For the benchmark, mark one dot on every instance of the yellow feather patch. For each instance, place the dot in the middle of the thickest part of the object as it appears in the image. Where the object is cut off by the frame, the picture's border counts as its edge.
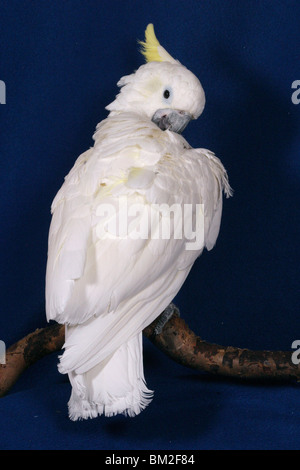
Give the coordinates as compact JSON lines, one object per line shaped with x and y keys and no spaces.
{"x":150,"y":47}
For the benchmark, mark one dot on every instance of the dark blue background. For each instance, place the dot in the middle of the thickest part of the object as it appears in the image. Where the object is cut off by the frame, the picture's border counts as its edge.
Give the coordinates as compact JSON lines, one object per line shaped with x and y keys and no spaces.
{"x":60,"y":61}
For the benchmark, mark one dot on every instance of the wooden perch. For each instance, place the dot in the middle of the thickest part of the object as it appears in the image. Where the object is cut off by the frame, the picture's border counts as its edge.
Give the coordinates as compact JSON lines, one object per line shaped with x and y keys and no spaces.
{"x":176,"y":340}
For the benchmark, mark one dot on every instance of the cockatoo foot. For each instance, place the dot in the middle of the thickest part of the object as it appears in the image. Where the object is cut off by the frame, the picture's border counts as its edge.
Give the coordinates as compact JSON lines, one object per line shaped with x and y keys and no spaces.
{"x":165,"y":317}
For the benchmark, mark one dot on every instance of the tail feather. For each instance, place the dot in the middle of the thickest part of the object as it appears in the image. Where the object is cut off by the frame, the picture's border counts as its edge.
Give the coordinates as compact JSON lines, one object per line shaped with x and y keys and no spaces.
{"x":114,"y":386}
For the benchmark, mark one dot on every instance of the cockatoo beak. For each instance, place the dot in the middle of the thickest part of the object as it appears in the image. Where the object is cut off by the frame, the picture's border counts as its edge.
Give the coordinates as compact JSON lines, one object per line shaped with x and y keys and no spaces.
{"x":171,"y":119}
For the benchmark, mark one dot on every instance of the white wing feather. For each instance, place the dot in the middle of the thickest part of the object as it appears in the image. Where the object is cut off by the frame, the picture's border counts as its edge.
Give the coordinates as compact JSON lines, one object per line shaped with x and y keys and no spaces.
{"x":90,"y":275}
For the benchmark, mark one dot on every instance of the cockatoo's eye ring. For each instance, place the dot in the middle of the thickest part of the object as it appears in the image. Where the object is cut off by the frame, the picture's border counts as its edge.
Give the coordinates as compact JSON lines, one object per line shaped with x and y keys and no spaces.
{"x":166,"y":94}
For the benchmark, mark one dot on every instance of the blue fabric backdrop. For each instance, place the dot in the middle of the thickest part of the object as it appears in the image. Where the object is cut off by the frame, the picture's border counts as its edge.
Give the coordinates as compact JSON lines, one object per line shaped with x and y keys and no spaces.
{"x":60,"y":61}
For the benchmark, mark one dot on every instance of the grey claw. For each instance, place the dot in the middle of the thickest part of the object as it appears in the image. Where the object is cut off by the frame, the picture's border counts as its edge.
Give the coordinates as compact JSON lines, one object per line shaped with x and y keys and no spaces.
{"x":165,"y":317}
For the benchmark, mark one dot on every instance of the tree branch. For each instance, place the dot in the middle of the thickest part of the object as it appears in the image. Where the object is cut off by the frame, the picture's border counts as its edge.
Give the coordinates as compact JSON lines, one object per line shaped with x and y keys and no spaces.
{"x":176,"y":340}
{"x":182,"y":345}
{"x":27,"y":351}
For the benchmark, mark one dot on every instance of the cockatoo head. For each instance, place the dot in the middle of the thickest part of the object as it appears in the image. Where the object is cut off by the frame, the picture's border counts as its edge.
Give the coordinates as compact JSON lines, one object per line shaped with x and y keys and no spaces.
{"x":162,"y":89}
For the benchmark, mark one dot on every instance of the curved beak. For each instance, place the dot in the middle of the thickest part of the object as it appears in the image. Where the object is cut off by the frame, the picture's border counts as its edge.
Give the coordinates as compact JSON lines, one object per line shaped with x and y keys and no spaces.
{"x":171,"y":119}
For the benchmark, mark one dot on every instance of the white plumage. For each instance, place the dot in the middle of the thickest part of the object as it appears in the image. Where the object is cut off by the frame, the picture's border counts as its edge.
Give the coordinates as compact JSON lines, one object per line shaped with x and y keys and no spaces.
{"x":104,"y":283}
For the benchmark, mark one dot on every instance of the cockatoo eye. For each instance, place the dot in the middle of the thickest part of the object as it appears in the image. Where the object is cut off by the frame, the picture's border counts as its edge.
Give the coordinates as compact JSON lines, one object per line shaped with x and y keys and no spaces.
{"x":167,"y":95}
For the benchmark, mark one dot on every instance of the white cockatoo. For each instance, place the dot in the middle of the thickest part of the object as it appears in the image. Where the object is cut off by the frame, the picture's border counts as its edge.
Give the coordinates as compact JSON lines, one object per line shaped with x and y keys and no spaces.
{"x":119,"y":246}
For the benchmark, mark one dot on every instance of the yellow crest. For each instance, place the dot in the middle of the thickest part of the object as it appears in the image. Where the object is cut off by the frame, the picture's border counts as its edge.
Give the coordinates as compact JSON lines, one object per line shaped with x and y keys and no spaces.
{"x":151,"y":48}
